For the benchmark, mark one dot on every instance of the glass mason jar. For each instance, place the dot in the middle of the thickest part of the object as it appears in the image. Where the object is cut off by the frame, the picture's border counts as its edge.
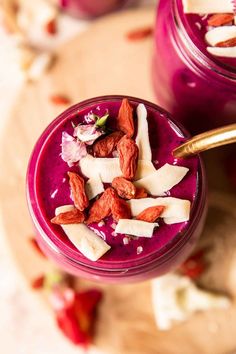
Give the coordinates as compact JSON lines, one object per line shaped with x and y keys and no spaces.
{"x":160,"y":260}
{"x":90,"y":8}
{"x":198,"y":89}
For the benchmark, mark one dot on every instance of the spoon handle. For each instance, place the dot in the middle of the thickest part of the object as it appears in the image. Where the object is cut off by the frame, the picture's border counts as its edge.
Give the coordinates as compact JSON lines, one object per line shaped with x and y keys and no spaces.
{"x":206,"y":141}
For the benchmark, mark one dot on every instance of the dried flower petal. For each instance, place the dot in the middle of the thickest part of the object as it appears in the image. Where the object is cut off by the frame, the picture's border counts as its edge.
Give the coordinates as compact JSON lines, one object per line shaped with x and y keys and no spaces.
{"x":72,"y":149}
{"x":194,"y":266}
{"x":76,"y":313}
{"x":87,"y":133}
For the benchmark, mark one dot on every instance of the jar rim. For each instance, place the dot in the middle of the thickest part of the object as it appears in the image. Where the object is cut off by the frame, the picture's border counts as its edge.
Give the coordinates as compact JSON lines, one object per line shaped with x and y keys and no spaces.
{"x":73,"y":256}
{"x":205,"y":60}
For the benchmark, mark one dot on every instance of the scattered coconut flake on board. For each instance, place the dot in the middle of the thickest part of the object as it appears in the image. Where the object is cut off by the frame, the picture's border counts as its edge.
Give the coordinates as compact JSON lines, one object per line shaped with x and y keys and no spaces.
{"x":176,"y":209}
{"x":208,"y":6}
{"x":85,"y":240}
{"x":72,"y":150}
{"x":142,"y":138}
{"x":175,"y":298}
{"x":135,"y":227}
{"x":220,"y":34}
{"x":94,"y":186}
{"x":162,"y":179}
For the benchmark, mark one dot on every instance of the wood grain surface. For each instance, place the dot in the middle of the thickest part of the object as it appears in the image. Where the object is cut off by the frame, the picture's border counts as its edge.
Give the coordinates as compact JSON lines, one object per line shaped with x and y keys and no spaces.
{"x":97,"y":62}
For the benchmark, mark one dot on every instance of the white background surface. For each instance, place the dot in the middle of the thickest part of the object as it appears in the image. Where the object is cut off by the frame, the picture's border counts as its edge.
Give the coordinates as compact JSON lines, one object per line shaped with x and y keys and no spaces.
{"x":26,"y":325}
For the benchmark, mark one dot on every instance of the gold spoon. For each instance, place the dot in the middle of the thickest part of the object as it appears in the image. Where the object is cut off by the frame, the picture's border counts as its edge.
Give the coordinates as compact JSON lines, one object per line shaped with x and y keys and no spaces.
{"x":206,"y":141}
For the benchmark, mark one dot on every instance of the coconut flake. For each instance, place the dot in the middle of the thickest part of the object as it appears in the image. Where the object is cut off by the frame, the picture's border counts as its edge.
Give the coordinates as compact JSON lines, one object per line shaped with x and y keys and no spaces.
{"x":109,"y":168}
{"x":176,"y":210}
{"x":93,"y":187}
{"x":220,"y":34}
{"x":229,"y":52}
{"x":72,"y":150}
{"x":101,"y":223}
{"x":145,"y":168}
{"x":142,"y":139}
{"x":126,"y":240}
{"x":139,"y":249}
{"x":135,"y":227}
{"x":85,"y":240}
{"x":162,"y":179}
{"x":208,"y":6}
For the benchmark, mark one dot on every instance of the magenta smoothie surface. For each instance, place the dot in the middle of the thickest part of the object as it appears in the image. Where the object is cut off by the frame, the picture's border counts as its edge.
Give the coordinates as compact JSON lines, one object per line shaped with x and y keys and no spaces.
{"x":48,"y":188}
{"x":90,"y":8}
{"x":198,"y":88}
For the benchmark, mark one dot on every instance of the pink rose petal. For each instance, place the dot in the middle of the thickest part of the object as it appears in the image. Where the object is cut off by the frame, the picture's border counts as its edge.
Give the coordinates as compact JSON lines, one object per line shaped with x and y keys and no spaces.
{"x":72,"y":150}
{"x":87,"y":133}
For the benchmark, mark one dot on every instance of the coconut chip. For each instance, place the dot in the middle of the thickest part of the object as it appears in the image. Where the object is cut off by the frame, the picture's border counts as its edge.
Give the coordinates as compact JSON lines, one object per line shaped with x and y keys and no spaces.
{"x":135,"y":227}
{"x":85,"y":240}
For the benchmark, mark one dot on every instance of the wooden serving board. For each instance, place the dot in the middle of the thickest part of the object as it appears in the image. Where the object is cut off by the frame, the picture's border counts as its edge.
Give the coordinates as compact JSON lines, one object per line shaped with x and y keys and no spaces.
{"x":102,"y":61}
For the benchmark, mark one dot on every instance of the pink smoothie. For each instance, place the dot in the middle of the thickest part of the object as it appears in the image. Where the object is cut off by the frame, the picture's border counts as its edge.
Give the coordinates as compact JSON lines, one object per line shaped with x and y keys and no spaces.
{"x":90,"y":8}
{"x":48,"y":188}
{"x":198,"y":88}
{"x":197,"y":26}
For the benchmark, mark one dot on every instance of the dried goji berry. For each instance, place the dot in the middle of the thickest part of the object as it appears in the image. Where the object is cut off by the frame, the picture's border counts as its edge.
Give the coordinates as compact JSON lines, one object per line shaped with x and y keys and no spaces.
{"x":220,"y":19}
{"x":124,"y":188}
{"x":120,"y":209}
{"x":151,"y":214}
{"x":78,"y":191}
{"x":74,"y":216}
{"x":128,"y":154}
{"x":228,"y":43}
{"x":125,"y":121}
{"x":101,"y":208}
{"x":140,"y":193}
{"x":139,"y":33}
{"x":38,"y":282}
{"x":51,"y":27}
{"x":59,"y":99}
{"x":104,"y":147}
